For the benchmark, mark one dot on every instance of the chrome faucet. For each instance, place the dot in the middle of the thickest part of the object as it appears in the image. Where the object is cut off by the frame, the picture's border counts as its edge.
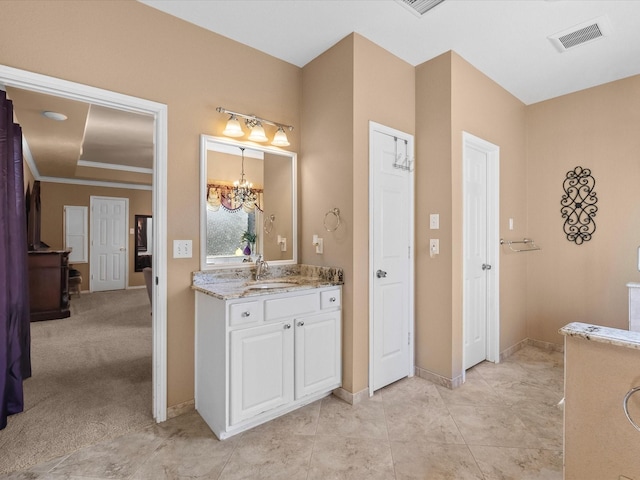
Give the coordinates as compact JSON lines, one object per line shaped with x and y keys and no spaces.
{"x":261,"y":267}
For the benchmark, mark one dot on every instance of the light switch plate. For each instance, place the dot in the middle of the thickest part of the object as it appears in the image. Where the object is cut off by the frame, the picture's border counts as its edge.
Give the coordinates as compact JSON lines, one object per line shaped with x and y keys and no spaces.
{"x":434,"y":221}
{"x":434,"y":247}
{"x":182,"y":249}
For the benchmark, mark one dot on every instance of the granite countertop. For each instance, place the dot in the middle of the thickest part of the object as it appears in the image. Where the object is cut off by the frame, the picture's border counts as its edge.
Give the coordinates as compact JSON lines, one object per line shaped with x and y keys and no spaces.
{"x":236,"y":283}
{"x":597,"y":333}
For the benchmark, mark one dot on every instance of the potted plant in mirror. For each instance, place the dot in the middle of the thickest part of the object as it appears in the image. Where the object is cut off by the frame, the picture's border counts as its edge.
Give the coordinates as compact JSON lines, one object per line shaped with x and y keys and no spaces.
{"x":250,"y":238}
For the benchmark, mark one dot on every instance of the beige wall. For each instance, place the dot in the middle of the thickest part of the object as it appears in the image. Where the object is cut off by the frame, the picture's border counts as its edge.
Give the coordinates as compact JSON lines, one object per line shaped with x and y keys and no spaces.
{"x":597,"y":129}
{"x":599,"y":441}
{"x":343,"y":89}
{"x":451,"y":97}
{"x":326,"y":174}
{"x":133,"y":49}
{"x":130,"y":48}
{"x":433,"y":195}
{"x":277,"y":202}
{"x":54,"y":196}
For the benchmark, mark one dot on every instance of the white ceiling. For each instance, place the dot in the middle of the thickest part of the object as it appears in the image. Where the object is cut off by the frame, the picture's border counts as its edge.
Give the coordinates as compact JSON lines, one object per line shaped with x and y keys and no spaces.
{"x":505,"y":39}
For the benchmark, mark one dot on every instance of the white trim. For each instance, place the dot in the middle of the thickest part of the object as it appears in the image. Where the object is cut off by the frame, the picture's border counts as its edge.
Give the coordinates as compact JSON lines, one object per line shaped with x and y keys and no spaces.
{"x":94,"y":183}
{"x":76,"y":91}
{"x":70,"y":211}
{"x":26,"y":151}
{"x":113,"y":166}
{"x":376,"y":127}
{"x":493,"y":242}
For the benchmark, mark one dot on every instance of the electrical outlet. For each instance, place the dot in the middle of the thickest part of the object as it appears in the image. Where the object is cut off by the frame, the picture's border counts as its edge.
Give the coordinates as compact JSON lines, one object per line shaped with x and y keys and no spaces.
{"x":182,"y":249}
{"x":434,"y":221}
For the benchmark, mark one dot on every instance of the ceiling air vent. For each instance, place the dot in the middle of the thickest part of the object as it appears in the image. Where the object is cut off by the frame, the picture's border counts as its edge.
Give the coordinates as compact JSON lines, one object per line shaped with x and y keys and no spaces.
{"x":586,"y":32}
{"x":419,"y":7}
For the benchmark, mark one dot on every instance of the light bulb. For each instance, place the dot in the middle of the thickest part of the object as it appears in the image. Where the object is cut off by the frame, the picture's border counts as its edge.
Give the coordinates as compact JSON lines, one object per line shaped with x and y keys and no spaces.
{"x":280,"y":138}
{"x":233,"y":128}
{"x":257,"y":134}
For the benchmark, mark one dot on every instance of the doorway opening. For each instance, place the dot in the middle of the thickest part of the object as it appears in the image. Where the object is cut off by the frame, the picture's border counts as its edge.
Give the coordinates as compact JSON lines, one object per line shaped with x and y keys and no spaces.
{"x":25,"y":80}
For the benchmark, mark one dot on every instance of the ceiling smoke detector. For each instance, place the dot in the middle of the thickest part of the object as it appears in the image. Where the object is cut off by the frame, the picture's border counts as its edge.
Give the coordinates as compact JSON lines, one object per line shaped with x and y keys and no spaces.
{"x":581,"y":34}
{"x":419,"y":7}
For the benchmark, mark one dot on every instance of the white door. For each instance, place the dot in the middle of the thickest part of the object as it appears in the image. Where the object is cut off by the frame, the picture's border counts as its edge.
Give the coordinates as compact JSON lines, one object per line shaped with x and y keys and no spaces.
{"x":317,"y":352}
{"x":391,"y":157}
{"x":108,"y":243}
{"x":261,"y":369}
{"x":479,"y":269}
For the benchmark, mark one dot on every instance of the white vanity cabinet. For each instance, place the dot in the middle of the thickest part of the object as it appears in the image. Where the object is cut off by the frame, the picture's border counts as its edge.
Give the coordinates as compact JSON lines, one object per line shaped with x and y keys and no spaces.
{"x":262,"y":356}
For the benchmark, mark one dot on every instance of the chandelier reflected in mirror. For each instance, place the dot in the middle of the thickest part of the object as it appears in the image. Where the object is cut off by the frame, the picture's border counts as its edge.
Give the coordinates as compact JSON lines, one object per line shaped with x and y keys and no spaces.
{"x":242,"y":189}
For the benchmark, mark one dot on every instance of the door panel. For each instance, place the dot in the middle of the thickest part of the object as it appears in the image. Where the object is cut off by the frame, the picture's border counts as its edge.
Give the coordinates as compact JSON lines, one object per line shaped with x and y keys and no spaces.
{"x":108,"y":245}
{"x":475,"y":241}
{"x":261,"y":370}
{"x":317,"y":351}
{"x":391,"y":257}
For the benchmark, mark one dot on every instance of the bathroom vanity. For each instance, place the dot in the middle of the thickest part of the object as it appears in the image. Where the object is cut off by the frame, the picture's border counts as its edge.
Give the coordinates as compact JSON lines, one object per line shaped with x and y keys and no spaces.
{"x":264,"y":348}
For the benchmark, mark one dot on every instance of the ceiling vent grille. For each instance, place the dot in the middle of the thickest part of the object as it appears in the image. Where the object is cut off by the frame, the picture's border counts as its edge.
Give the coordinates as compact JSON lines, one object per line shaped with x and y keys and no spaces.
{"x":582,"y":34}
{"x":419,"y":7}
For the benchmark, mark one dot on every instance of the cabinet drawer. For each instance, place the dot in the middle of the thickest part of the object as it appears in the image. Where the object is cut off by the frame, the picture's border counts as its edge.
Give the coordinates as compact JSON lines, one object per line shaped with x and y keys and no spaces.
{"x":291,"y":306}
{"x":330,"y":299}
{"x":244,"y":313}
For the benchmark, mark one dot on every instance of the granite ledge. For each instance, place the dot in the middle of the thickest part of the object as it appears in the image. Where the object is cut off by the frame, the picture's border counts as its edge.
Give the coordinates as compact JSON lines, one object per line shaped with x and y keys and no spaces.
{"x":236,"y":283}
{"x":597,"y":333}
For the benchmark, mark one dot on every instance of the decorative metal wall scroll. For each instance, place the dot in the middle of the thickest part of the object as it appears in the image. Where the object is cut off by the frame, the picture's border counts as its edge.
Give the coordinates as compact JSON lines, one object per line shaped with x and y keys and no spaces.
{"x":579,"y":205}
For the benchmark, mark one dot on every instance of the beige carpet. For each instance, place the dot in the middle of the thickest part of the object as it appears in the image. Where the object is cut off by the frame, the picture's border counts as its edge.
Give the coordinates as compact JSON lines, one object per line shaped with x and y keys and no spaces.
{"x":91,"y":379}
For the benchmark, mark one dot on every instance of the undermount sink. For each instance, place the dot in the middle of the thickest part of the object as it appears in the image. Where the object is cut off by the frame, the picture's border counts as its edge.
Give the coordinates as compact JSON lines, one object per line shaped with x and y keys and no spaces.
{"x":267,"y":285}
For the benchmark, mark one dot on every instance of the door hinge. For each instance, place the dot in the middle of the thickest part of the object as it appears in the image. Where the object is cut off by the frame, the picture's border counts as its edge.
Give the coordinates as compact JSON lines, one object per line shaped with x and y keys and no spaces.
{"x":409,"y":248}
{"x":409,"y":338}
{"x":156,"y":280}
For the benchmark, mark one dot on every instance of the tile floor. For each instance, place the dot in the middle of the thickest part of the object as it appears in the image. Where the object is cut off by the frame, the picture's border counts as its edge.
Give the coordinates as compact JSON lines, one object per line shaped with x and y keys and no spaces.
{"x":503,"y":423}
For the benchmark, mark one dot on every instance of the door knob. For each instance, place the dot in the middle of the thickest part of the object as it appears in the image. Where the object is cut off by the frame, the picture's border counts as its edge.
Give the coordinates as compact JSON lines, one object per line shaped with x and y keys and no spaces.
{"x":122,"y":249}
{"x":486,"y":266}
{"x":381,"y":274}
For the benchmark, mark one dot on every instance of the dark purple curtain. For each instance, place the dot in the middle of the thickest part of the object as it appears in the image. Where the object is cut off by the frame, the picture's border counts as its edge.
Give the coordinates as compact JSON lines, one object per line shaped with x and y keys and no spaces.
{"x":15,"y":363}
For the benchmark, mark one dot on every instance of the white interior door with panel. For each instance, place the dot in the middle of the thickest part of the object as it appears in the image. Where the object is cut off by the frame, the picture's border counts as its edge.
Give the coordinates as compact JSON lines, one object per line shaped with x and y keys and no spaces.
{"x":391,"y":256}
{"x":109,"y":240}
{"x":480,"y":245}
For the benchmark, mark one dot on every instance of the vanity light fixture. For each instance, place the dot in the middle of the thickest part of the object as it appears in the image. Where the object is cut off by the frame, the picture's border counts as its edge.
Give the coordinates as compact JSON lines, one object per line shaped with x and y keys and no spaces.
{"x":257,"y":133}
{"x":242,"y":191}
{"x":280,"y":138}
{"x":256,"y":124}
{"x":233,"y":128}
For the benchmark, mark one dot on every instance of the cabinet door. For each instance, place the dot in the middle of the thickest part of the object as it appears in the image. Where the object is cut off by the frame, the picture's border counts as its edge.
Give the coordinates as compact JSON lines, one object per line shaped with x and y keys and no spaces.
{"x":261,"y":370}
{"x":318,"y":353}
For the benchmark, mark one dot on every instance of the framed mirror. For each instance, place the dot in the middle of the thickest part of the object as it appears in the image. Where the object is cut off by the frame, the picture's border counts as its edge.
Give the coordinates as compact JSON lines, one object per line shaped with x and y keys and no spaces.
{"x":247,"y":204}
{"x":144,"y":242}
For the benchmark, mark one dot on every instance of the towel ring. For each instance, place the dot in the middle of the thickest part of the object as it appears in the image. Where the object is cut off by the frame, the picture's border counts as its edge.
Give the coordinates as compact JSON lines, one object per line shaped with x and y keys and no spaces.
{"x":626,"y":406}
{"x":268,"y":224}
{"x":336,"y":213}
